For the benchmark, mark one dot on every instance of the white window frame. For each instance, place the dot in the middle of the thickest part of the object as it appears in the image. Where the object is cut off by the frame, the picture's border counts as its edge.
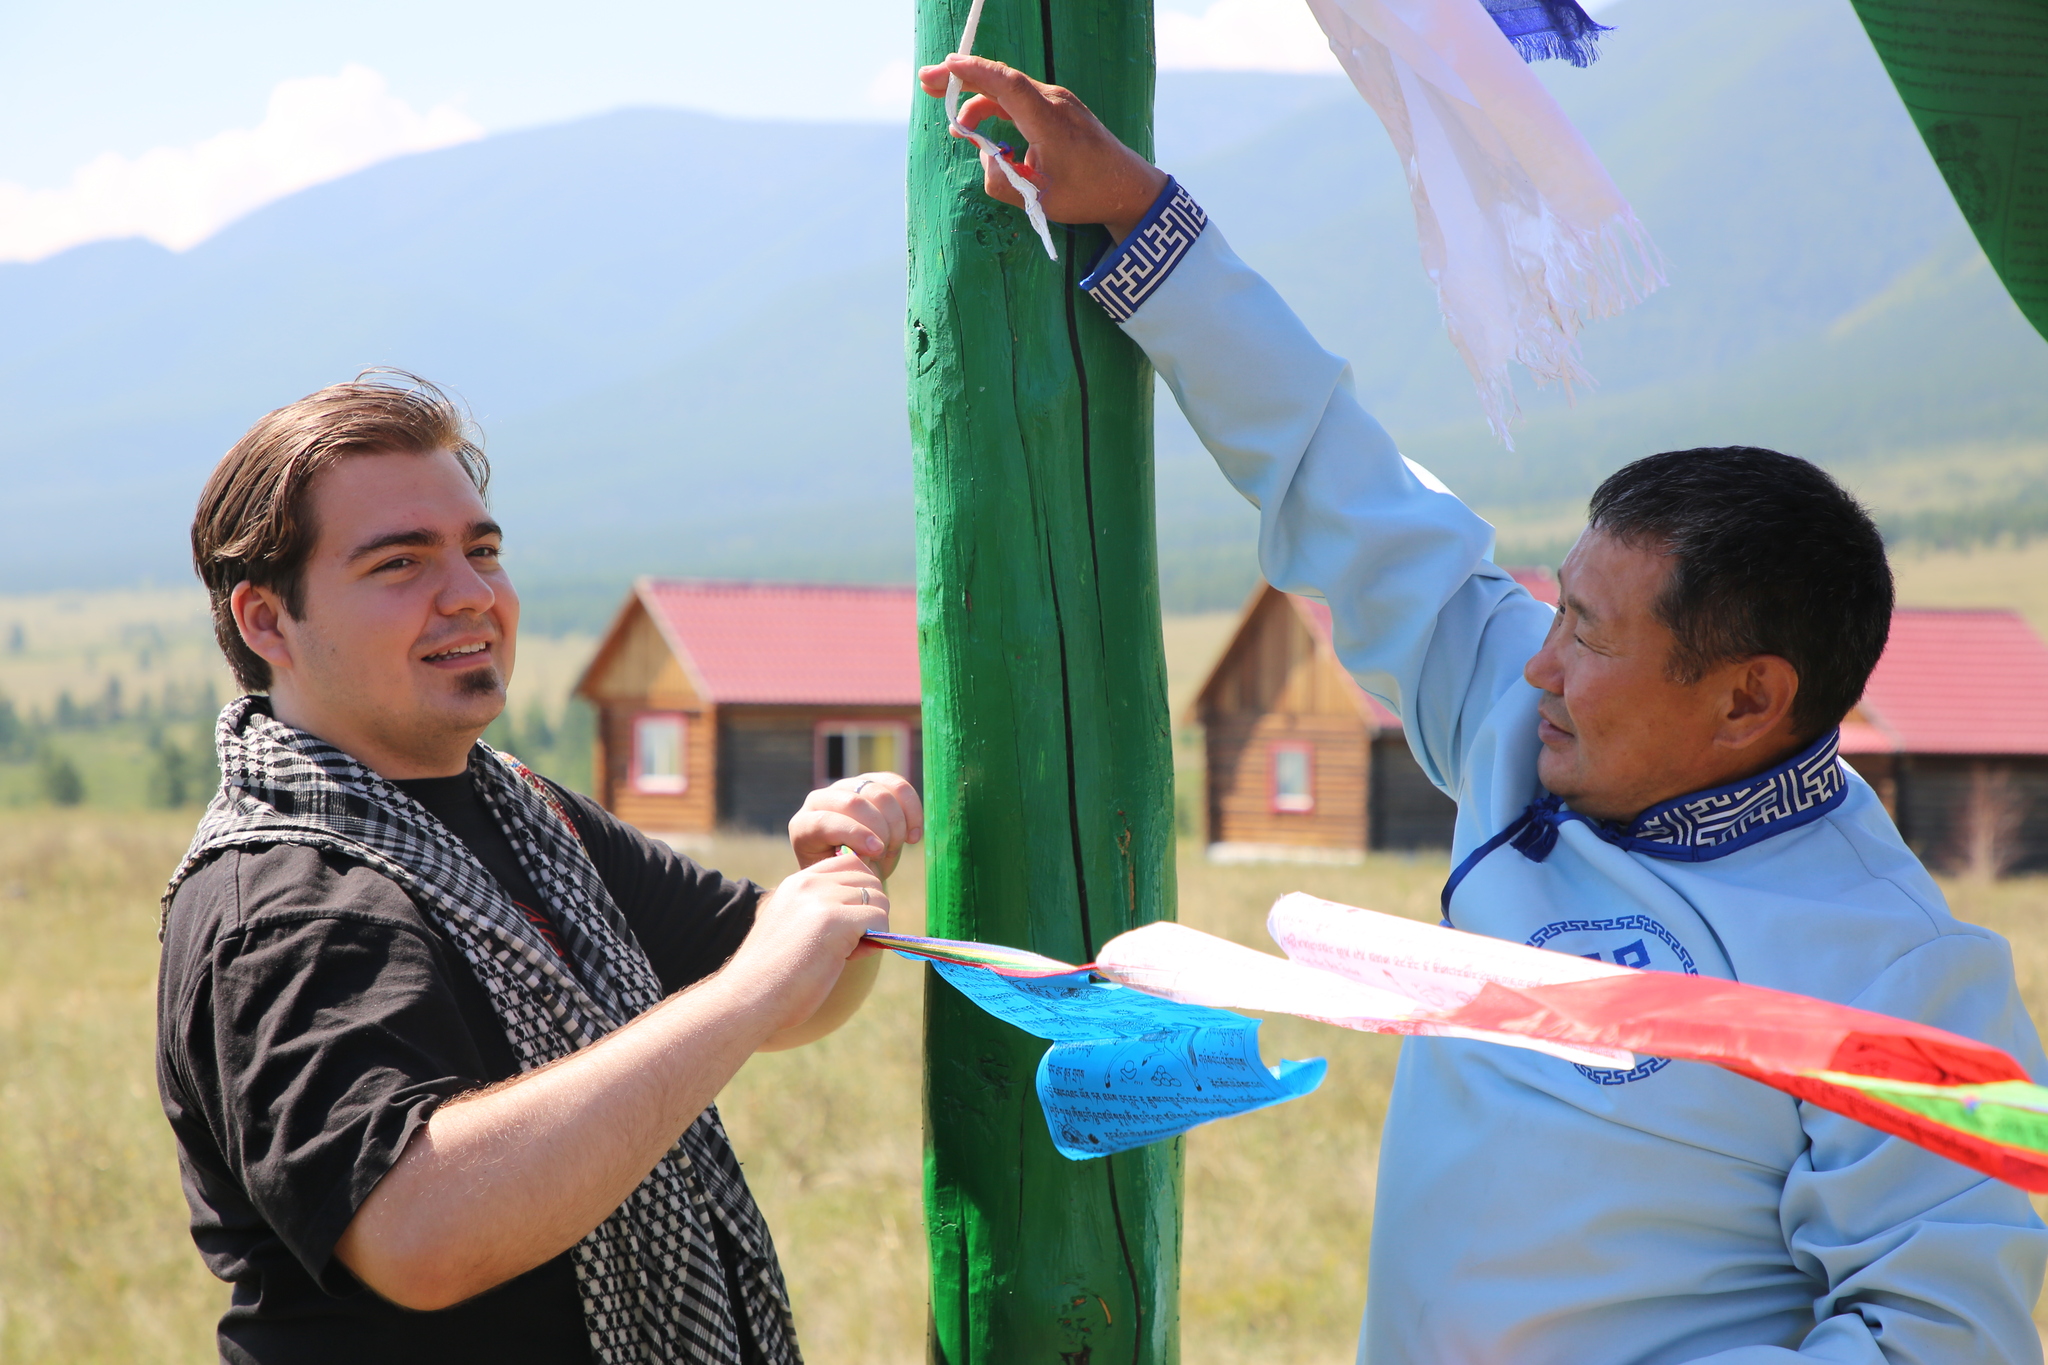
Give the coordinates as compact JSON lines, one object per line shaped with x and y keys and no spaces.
{"x":854,"y":726}
{"x":661,"y":784}
{"x":1305,"y":803}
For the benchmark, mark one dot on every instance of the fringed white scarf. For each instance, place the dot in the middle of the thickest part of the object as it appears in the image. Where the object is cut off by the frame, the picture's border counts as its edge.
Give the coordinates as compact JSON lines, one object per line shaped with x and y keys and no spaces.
{"x":1523,"y":233}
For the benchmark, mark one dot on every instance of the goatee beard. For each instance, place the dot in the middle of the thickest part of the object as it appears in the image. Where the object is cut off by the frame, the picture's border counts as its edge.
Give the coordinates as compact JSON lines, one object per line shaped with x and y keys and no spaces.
{"x":480,"y":682}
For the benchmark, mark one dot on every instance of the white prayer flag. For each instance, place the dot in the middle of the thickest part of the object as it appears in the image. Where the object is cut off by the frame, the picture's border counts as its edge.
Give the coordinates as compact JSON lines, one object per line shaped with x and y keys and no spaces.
{"x":1523,"y":233}
{"x":1357,"y":969}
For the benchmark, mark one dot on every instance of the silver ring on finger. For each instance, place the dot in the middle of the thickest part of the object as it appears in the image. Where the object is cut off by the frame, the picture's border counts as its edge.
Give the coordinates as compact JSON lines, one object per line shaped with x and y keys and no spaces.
{"x":863,"y":785}
{"x":863,"y":895}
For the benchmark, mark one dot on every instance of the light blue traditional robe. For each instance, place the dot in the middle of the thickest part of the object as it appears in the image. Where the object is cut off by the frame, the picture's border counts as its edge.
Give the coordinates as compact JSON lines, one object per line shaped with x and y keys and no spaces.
{"x":1531,"y":1212}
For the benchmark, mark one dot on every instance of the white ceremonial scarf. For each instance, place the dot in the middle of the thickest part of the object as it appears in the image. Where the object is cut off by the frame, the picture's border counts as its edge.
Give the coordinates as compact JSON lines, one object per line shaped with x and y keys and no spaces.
{"x":997,"y":154}
{"x":1523,"y":233}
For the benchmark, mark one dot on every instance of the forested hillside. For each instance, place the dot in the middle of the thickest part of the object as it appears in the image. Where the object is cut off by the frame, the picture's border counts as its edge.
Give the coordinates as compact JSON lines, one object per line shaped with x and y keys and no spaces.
{"x":683,"y":334}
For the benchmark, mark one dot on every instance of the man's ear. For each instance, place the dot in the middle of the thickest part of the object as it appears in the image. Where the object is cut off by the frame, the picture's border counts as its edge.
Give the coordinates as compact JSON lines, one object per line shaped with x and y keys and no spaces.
{"x":1760,"y":693}
{"x":259,"y":615}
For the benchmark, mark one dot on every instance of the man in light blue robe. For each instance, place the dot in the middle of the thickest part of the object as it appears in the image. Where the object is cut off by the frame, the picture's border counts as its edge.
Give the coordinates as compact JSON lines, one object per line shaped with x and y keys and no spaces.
{"x":1647,"y":776}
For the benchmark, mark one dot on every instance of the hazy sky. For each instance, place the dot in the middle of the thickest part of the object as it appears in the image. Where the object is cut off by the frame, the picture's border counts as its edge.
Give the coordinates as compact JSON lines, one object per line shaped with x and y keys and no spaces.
{"x":168,"y":120}
{"x":124,"y":117}
{"x":91,"y":76}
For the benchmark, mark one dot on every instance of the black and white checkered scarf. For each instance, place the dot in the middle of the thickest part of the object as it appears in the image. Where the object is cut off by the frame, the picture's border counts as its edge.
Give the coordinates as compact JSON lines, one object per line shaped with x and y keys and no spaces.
{"x":651,"y":1278}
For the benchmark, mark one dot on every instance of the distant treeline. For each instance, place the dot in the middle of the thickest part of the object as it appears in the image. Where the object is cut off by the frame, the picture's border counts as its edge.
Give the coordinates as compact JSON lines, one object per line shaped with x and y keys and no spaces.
{"x":153,"y":751}
{"x":156,"y":750}
{"x":2020,"y":519}
{"x":562,"y":751}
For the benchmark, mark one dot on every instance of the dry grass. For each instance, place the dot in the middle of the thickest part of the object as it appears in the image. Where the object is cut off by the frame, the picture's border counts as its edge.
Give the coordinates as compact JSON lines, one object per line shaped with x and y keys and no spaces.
{"x":1274,"y":1260}
{"x":95,"y":1264}
{"x":77,"y":641}
{"x":2001,"y":575}
{"x":1279,"y":1203}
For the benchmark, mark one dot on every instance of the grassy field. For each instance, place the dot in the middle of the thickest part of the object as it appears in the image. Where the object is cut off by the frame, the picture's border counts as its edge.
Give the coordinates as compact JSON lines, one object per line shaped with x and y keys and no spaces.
{"x":96,"y":1266}
{"x":2001,"y":575}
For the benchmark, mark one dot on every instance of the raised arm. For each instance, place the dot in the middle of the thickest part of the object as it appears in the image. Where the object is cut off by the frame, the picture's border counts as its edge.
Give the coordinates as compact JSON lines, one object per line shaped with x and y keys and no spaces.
{"x":1420,"y":615}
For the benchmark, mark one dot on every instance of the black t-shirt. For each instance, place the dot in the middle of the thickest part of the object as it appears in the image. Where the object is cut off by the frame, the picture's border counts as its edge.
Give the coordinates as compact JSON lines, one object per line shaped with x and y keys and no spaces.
{"x":311,"y":1018}
{"x":454,"y":802}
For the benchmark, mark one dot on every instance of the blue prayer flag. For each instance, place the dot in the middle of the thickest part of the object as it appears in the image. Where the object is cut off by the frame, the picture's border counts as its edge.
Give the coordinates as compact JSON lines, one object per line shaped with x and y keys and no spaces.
{"x":1125,"y":1068}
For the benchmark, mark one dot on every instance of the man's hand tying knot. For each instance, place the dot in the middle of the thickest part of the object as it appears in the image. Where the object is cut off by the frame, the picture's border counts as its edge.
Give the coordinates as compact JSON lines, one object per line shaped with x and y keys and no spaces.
{"x":874,"y":814}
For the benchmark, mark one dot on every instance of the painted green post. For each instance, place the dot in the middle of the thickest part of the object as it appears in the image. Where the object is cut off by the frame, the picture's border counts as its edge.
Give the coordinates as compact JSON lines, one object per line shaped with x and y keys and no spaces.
{"x":1048,"y":761}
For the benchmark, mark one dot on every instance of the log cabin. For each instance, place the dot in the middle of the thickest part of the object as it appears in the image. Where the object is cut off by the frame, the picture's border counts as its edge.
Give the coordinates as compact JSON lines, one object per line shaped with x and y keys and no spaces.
{"x":722,"y":704}
{"x":1952,"y":731}
{"x":1301,"y":764}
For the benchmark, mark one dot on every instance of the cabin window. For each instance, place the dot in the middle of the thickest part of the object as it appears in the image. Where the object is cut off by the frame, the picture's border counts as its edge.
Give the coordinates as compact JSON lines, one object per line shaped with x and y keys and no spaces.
{"x":658,"y":740}
{"x":847,"y":747}
{"x":1294,"y":788}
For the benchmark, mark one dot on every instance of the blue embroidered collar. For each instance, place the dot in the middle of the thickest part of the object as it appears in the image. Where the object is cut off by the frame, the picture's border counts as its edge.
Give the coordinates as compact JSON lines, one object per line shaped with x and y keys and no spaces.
{"x":1694,"y":828}
{"x":1712,"y":823}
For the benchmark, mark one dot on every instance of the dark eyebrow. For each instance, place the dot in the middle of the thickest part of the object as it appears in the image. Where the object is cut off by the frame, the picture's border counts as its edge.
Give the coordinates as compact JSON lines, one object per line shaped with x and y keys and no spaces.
{"x":420,"y":538}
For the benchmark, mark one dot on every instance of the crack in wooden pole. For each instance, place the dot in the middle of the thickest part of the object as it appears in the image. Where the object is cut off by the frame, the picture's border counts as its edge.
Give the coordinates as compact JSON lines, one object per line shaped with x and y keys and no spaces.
{"x":1048,"y":757}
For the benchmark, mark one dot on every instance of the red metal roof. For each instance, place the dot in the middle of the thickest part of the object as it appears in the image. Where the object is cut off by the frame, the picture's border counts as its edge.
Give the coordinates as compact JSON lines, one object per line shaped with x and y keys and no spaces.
{"x":800,"y":644}
{"x":1954,"y":682}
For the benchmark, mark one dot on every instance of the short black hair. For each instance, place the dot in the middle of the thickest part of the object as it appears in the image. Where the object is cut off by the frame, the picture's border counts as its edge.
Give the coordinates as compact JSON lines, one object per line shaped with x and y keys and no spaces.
{"x":1771,"y":556}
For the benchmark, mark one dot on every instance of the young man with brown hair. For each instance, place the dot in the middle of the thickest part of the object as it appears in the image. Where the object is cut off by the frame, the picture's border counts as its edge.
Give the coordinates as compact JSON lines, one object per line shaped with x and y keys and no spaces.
{"x":439,"y":1039}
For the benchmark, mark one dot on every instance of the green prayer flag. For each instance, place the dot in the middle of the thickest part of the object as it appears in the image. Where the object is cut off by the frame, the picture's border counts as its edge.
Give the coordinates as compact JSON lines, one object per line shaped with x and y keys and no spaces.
{"x":1974,"y":76}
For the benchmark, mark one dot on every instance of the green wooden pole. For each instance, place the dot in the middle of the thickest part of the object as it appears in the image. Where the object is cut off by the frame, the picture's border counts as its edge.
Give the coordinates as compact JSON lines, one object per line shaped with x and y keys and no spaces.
{"x":1048,"y":755}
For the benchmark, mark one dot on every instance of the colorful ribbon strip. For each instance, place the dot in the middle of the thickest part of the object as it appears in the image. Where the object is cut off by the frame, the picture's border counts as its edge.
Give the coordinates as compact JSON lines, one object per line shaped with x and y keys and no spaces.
{"x":1008,"y":962}
{"x":1143,"y":1048}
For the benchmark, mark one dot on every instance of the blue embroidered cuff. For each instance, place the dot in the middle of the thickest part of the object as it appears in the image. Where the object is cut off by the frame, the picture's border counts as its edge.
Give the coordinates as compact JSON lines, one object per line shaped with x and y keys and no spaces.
{"x":1129,"y":271}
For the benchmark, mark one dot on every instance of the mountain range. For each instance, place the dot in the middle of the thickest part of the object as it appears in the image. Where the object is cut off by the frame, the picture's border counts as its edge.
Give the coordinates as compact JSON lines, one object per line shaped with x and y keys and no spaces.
{"x":683,"y":334}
